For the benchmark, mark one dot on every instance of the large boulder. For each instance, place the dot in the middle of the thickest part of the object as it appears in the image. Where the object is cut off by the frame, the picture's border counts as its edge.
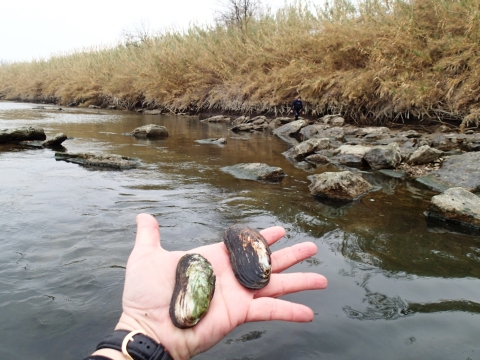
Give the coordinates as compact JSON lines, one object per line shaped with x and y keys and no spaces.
{"x":383,"y":157}
{"x":322,"y":131}
{"x":290,"y":128}
{"x":424,"y":155}
{"x":306,"y":148}
{"x":456,"y":171}
{"x":98,"y":160}
{"x":457,"y":206}
{"x":24,"y":133}
{"x":150,"y":131}
{"x":344,"y":185}
{"x":255,"y":171}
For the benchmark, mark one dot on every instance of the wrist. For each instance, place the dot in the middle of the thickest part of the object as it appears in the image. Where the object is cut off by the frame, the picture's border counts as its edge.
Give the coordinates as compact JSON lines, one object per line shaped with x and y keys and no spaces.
{"x":177,"y":351}
{"x":110,"y":353}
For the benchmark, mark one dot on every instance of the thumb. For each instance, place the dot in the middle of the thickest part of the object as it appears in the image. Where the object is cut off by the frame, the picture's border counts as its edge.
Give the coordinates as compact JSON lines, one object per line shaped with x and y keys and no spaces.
{"x":148,"y":232}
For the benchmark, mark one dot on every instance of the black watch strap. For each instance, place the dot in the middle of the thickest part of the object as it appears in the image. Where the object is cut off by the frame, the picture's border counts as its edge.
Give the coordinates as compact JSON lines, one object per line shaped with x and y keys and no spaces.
{"x":142,"y":347}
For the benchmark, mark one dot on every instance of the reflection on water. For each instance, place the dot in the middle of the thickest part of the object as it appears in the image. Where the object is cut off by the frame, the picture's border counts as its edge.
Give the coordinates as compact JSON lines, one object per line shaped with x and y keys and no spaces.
{"x":67,"y":232}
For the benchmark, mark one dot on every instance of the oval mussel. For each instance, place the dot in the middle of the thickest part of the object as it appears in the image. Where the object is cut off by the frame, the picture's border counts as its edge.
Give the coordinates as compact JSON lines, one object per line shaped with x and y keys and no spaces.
{"x":193,"y":292}
{"x":249,"y":256}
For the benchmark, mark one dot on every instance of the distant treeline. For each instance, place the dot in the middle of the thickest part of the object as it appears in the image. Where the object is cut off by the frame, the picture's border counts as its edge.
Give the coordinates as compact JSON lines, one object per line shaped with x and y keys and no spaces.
{"x":373,"y":61}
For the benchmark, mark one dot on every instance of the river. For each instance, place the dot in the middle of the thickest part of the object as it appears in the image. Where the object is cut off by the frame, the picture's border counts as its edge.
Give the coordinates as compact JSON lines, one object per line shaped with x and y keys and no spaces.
{"x":398,"y":289}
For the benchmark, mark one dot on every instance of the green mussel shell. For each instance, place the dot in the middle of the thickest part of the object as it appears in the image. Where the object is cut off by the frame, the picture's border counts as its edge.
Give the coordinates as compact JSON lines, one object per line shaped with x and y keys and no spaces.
{"x":193,"y":292}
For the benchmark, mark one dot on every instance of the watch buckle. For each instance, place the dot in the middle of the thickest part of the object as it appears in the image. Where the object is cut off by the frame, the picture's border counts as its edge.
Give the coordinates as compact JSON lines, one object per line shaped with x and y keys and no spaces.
{"x":129,"y":337}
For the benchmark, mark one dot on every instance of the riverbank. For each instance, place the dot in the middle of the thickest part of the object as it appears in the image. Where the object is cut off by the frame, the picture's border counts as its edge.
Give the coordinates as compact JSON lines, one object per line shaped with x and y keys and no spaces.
{"x":373,"y":63}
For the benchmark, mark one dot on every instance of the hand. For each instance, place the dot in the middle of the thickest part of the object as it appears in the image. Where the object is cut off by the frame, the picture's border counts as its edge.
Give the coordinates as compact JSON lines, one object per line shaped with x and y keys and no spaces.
{"x":150,"y":279}
{"x":291,"y":111}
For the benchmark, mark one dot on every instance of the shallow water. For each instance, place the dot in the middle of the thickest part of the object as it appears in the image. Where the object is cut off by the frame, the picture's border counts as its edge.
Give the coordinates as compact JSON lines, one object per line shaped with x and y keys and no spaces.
{"x":398,"y":289}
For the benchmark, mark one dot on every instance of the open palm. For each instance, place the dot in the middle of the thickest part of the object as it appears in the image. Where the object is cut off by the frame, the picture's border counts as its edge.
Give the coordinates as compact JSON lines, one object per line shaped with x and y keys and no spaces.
{"x":150,"y":279}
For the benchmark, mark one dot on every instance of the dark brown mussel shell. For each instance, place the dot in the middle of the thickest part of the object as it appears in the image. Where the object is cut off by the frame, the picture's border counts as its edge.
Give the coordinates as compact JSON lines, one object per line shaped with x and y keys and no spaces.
{"x":193,"y":292}
{"x":249,"y":256}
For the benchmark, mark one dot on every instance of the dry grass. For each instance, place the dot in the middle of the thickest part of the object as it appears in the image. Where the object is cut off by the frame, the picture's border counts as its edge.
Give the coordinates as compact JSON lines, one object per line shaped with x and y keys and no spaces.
{"x":377,"y":61}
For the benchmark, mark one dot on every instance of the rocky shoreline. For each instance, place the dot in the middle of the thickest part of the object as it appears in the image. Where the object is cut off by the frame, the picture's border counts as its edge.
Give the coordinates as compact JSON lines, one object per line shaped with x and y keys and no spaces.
{"x":441,"y":158}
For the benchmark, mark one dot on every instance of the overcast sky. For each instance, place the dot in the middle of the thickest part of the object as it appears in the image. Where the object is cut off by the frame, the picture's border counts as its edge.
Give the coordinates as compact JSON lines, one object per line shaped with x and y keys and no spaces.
{"x":32,"y":29}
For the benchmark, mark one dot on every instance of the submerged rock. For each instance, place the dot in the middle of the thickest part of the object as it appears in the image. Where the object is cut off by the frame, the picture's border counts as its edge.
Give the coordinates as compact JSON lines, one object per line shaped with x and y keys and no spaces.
{"x":215,"y":141}
{"x":255,"y":171}
{"x":150,"y":131}
{"x":344,"y":185}
{"x":24,"y":133}
{"x":98,"y":160}
{"x":152,"y":112}
{"x":456,"y":171}
{"x":217,"y":119}
{"x":456,"y":205}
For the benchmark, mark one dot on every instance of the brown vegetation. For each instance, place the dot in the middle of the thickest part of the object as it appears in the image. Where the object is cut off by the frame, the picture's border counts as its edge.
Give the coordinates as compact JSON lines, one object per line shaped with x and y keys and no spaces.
{"x":377,"y":61}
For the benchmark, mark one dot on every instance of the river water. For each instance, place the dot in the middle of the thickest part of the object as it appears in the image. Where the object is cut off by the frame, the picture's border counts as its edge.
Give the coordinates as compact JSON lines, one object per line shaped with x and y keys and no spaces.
{"x":398,"y":289}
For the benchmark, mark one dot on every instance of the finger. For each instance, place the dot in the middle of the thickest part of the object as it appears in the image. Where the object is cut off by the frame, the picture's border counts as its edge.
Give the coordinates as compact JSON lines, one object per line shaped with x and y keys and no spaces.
{"x":284,"y":258}
{"x":282,"y":284}
{"x":266,"y":309}
{"x":273,"y":234}
{"x":148,"y":233}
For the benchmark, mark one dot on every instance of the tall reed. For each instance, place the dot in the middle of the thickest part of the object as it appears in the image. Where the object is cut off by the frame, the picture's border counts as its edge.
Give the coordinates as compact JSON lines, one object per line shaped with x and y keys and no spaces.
{"x":373,"y":61}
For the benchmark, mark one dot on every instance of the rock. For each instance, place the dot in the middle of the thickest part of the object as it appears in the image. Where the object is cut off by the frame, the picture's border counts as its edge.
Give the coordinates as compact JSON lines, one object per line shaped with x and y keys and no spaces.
{"x":359,"y":150}
{"x":456,"y":205}
{"x":284,"y":120}
{"x":344,"y":185}
{"x":306,"y":148}
{"x":456,"y":171}
{"x":255,"y":171}
{"x":317,"y":159}
{"x":349,"y":160}
{"x":111,"y":107}
{"x":24,"y":133}
{"x":241,"y":120}
{"x":376,"y":136}
{"x":152,"y":112}
{"x":215,"y":141}
{"x":98,"y":160}
{"x":217,"y":119}
{"x":335,"y":120}
{"x":443,"y":129}
{"x":55,"y":140}
{"x":150,"y":131}
{"x":322,"y":131}
{"x":383,"y":157}
{"x":446,"y":142}
{"x":471,"y":143}
{"x":411,"y":134}
{"x":290,"y":128}
{"x":371,"y":130}
{"x":424,"y":155}
{"x":94,"y":107}
{"x":258,"y":123}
